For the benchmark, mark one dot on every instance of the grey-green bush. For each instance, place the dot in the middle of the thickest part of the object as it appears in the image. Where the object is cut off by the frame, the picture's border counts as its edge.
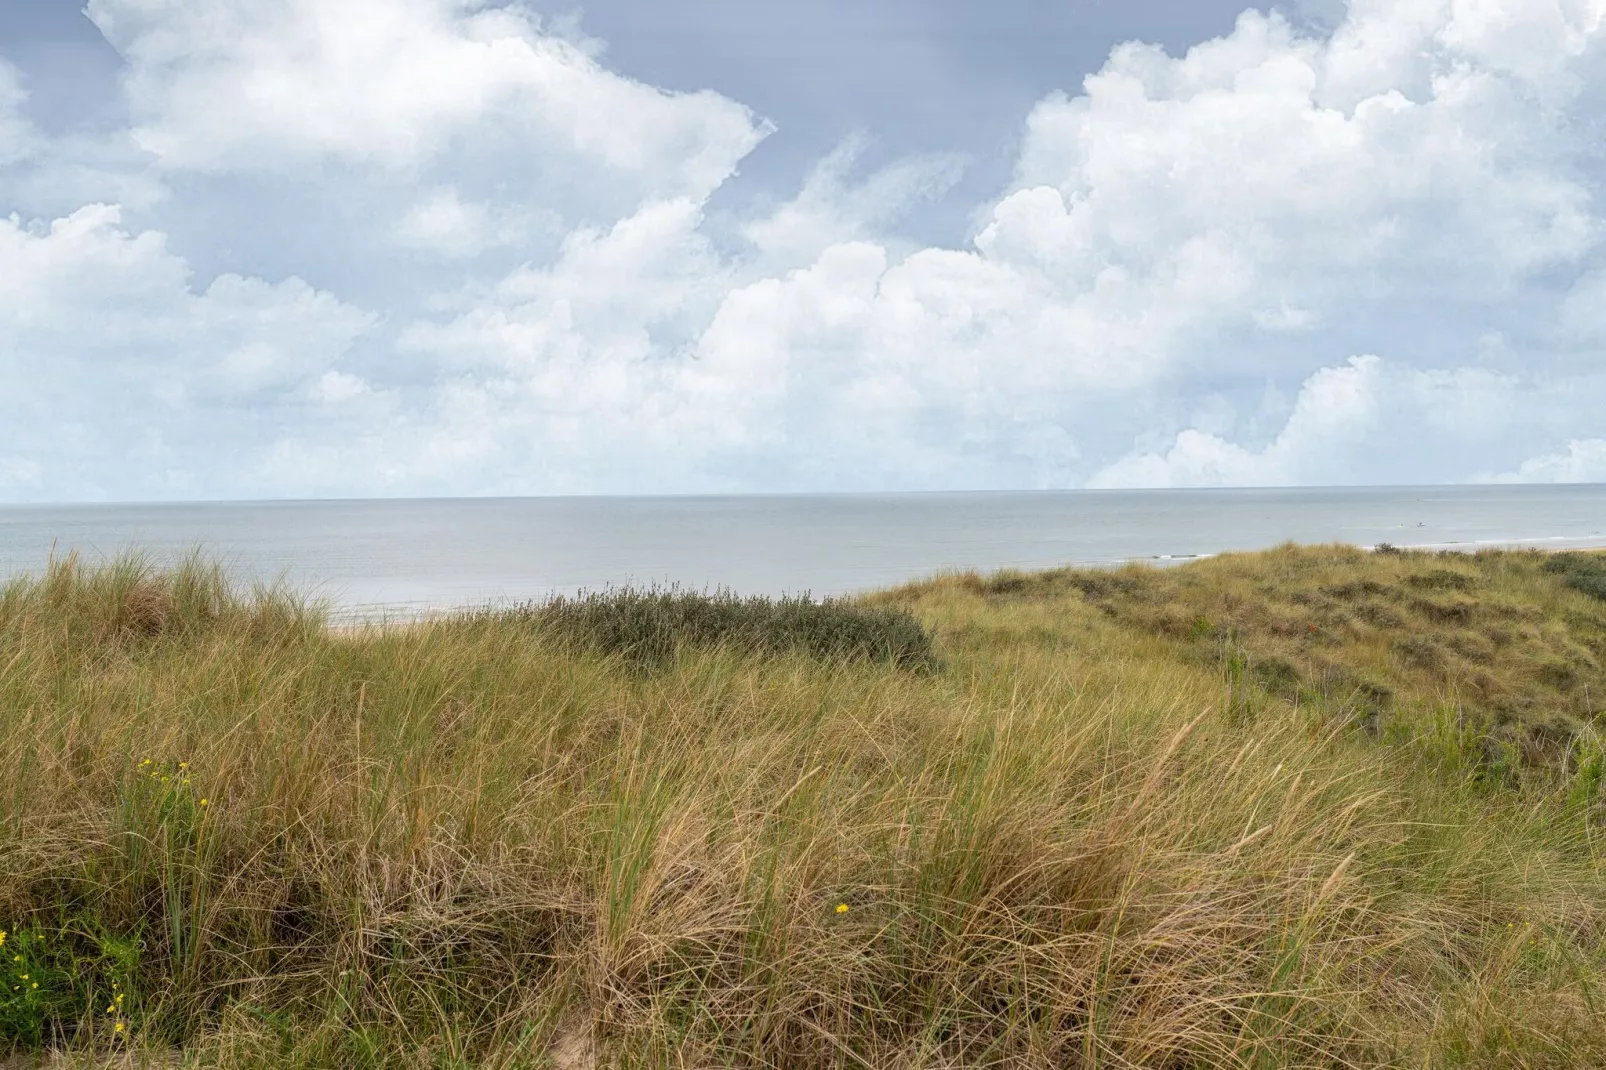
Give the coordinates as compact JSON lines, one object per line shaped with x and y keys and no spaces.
{"x":1585,"y":573}
{"x":647,"y":627}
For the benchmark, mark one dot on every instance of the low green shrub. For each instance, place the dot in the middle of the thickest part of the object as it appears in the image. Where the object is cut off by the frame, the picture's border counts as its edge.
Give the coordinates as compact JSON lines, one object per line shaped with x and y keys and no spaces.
{"x":1583,"y":572}
{"x":36,"y":993}
{"x":647,"y":627}
{"x":57,"y":980}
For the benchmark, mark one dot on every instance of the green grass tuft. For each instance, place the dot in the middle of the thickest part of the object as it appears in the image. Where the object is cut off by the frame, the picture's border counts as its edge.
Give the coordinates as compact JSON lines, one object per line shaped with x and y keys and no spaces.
{"x":650,"y":627}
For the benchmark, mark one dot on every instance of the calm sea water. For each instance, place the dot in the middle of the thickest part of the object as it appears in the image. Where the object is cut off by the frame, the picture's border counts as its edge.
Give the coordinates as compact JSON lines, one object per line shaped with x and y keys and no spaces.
{"x":396,"y":558}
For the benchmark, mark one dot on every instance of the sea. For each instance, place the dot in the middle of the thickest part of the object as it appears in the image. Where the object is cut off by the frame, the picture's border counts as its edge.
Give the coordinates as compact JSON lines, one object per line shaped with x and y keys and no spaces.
{"x":399,"y":559}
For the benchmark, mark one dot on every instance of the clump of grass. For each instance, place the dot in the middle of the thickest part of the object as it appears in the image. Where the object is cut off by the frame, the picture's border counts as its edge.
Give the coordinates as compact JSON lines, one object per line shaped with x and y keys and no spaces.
{"x":649,"y":627}
{"x":129,"y":602}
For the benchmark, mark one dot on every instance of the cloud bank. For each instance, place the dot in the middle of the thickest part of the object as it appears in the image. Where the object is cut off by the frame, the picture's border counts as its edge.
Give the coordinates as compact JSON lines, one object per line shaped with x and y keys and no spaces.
{"x":434,"y":246}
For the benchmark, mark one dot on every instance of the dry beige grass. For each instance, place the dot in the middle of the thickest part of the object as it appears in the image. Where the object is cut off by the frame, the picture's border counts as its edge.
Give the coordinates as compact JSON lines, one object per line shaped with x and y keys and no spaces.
{"x":1088,"y":841}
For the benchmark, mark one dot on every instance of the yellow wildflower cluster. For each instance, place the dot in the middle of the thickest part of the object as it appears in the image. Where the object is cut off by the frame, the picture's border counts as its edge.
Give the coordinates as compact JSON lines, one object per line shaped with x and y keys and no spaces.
{"x":24,"y":981}
{"x":23,"y":1003}
{"x":154,"y":772}
{"x":37,"y":989}
{"x":115,"y":1009}
{"x":178,"y":777}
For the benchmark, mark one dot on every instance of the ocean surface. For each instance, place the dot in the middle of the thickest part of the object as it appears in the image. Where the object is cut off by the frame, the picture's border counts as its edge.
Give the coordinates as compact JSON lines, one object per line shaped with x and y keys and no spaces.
{"x":399,"y":558}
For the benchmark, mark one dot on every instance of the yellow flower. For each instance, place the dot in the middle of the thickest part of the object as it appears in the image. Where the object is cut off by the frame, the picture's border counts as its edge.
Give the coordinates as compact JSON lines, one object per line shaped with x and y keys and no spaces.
{"x":119,"y":1027}
{"x":183,"y":765}
{"x":203,"y":802}
{"x":109,"y":1010}
{"x":146,"y":762}
{"x":36,"y":984}
{"x":841,"y":908}
{"x":2,"y":936}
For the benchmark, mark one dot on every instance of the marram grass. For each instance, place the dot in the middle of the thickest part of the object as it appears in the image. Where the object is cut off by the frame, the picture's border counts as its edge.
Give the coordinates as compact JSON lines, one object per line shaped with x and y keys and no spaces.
{"x":1096,"y":831}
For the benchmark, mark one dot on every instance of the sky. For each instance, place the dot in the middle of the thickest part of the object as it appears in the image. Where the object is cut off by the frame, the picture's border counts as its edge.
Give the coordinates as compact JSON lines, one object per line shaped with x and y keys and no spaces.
{"x":286,"y":248}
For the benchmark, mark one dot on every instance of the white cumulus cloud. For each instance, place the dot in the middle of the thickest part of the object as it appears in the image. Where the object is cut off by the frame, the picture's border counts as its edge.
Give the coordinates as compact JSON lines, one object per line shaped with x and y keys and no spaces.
{"x":832,"y":207}
{"x":247,"y":85}
{"x":1583,"y":461}
{"x":126,"y":380}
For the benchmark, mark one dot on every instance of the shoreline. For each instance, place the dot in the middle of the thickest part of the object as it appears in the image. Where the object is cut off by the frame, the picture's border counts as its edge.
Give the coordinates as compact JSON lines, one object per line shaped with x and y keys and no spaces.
{"x":351,"y":620}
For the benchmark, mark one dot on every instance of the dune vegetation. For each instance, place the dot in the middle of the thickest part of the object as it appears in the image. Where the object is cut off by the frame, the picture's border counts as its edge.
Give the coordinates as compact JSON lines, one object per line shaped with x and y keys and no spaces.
{"x":1310,"y":807}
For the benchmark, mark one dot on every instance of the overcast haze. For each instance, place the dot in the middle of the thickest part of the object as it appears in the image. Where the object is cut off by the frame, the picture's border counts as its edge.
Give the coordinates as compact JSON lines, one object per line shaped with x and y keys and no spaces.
{"x":264,"y":248}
